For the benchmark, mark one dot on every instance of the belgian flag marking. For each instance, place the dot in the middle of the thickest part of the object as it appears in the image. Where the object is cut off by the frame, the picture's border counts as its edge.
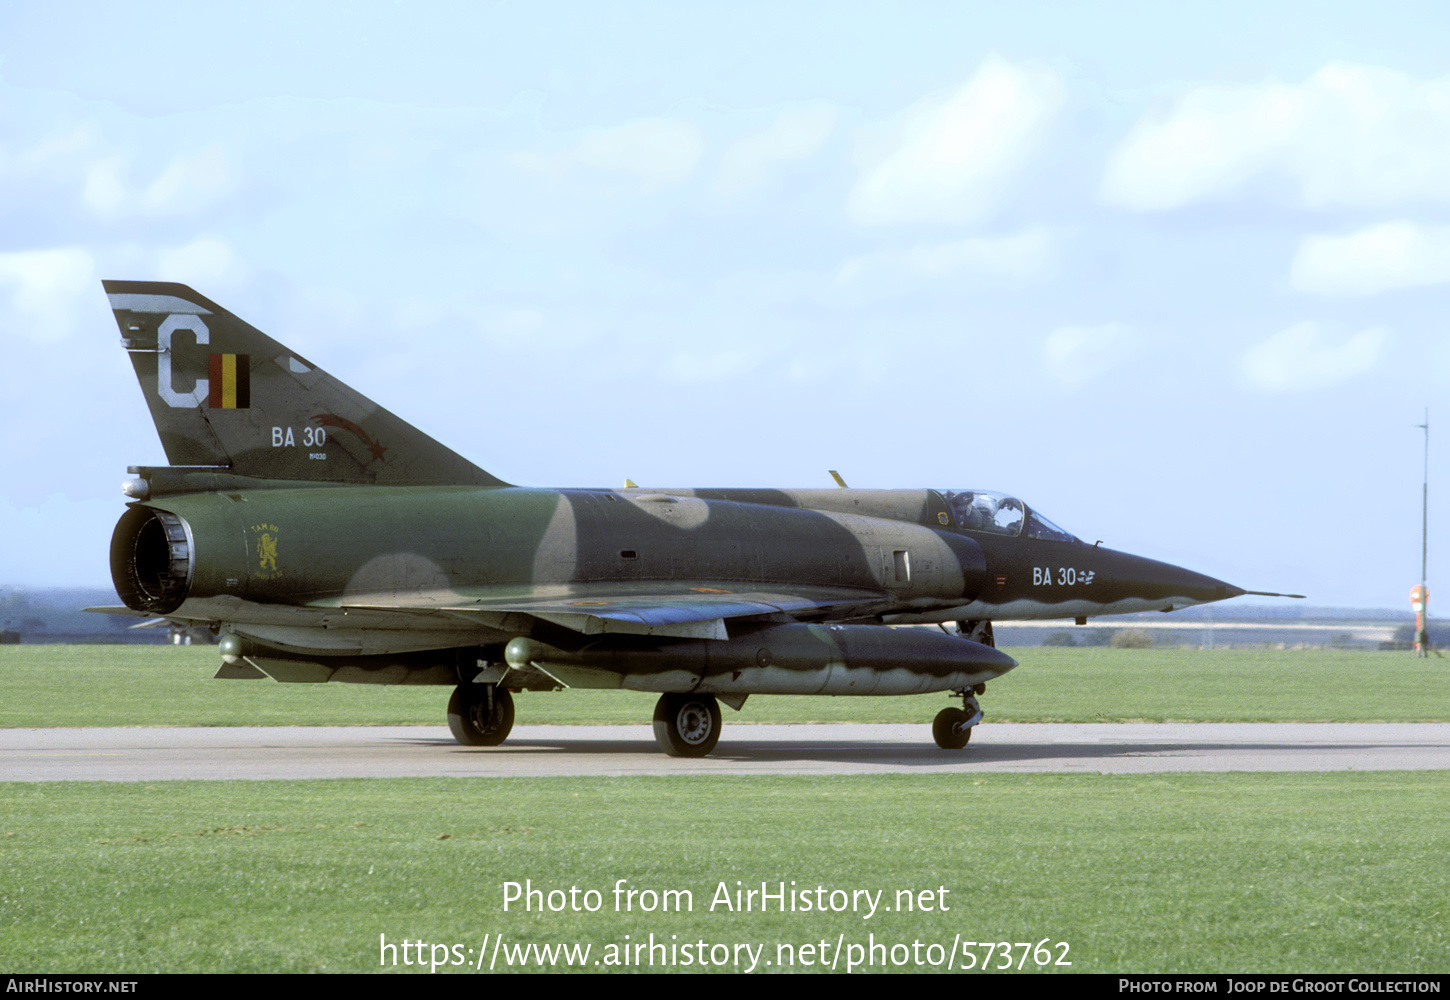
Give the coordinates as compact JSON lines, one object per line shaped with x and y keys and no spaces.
{"x":231,"y":381}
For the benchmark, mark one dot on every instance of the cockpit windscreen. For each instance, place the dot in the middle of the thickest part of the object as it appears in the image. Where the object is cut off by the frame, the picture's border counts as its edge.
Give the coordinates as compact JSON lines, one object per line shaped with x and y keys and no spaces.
{"x":1000,"y":514}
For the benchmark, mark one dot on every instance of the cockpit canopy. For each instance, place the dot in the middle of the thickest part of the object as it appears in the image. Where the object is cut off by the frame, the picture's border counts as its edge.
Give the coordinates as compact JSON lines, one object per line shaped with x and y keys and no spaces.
{"x":1000,"y":514}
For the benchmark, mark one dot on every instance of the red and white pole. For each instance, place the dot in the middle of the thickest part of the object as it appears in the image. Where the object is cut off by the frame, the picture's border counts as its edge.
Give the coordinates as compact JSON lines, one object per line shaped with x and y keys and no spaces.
{"x":1419,"y":598}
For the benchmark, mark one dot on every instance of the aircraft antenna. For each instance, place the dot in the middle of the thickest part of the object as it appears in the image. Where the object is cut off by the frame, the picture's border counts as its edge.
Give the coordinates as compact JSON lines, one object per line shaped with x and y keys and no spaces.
{"x":1420,"y":595}
{"x":1425,"y":504}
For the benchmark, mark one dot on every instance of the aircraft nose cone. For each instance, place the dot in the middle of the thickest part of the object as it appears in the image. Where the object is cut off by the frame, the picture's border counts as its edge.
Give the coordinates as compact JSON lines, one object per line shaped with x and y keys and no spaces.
{"x":1205,"y":589}
{"x":1173,"y":586}
{"x":1196,"y":587}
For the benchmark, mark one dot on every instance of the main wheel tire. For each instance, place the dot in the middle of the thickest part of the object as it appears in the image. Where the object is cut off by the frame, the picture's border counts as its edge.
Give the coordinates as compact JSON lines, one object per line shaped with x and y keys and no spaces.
{"x":687,"y":725}
{"x":950,"y":730}
{"x":469,"y":717}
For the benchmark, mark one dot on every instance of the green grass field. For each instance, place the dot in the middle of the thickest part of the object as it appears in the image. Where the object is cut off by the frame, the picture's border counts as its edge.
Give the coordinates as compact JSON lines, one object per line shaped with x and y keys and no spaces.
{"x":1186,"y":873}
{"x":44,"y":686}
{"x":1159,"y":873}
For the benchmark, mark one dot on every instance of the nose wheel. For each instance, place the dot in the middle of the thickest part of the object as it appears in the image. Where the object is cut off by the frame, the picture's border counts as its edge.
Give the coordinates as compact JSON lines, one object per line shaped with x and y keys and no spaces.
{"x":952,"y":727}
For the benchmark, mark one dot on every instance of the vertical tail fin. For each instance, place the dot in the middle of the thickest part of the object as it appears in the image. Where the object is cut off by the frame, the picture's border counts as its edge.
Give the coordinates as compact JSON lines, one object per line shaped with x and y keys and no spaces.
{"x":224,"y":394}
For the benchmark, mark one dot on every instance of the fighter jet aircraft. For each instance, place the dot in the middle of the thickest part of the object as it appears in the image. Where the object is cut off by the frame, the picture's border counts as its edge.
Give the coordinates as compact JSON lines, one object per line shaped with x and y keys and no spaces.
{"x":324,"y":539}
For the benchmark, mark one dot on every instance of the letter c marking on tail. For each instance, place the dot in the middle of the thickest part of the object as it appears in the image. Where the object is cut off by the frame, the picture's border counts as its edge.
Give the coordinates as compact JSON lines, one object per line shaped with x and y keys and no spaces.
{"x":172,"y":323}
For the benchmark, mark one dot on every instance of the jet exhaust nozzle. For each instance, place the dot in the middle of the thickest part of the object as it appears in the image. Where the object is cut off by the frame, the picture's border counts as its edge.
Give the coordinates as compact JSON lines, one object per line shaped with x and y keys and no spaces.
{"x":151,"y":560}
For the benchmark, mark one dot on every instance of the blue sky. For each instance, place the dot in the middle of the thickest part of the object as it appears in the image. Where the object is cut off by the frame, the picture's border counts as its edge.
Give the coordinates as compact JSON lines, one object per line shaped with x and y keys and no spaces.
{"x":1176,"y":274}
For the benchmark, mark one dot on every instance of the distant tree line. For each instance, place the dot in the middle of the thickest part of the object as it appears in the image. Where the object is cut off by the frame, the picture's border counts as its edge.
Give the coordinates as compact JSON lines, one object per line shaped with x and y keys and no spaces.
{"x":1123,"y":638}
{"x":1439,"y":635}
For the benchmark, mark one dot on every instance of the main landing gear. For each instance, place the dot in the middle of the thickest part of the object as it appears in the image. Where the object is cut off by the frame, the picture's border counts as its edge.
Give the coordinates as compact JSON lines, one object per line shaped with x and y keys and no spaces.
{"x":480,"y":715}
{"x":687,"y":725}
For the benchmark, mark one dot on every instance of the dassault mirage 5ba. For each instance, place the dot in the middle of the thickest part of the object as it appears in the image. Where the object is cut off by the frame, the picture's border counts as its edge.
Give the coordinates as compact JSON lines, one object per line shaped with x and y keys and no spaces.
{"x":324,"y":539}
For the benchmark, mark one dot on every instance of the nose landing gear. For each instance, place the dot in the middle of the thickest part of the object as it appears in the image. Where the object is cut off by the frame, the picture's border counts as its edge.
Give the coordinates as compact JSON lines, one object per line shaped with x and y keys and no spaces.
{"x":952,"y":727}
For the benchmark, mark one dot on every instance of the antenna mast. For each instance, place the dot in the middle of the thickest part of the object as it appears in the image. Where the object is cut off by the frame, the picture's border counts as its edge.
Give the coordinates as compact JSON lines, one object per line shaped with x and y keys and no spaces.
{"x":1420,"y":595}
{"x":1425,"y":504}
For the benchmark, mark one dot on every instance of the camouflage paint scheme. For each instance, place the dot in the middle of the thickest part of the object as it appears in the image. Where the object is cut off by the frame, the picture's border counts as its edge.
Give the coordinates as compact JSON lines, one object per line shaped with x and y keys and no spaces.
{"x":325,"y":539}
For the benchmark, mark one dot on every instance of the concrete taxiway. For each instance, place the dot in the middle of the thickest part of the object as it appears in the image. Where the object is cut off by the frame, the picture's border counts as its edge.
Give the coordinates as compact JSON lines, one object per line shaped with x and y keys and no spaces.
{"x":222,"y":754}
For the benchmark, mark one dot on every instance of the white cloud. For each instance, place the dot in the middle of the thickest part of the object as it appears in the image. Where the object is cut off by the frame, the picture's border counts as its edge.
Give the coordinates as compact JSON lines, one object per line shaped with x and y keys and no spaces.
{"x":520,"y":322}
{"x":1374,"y":259}
{"x":1021,"y":256}
{"x":1076,"y":355}
{"x":204,"y":263}
{"x":186,"y":184}
{"x":1349,"y":135}
{"x":956,"y":152}
{"x":58,"y":149}
{"x":655,"y":150}
{"x":719,"y":366}
{"x":795,"y":134}
{"x":1302,"y":358}
{"x":190,"y":182}
{"x":523,"y":328}
{"x":105,"y":191}
{"x":39,"y":290}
